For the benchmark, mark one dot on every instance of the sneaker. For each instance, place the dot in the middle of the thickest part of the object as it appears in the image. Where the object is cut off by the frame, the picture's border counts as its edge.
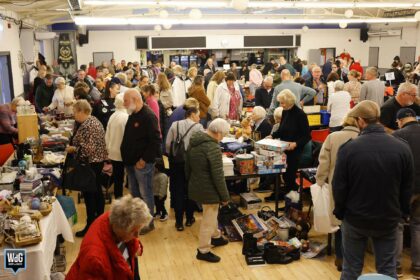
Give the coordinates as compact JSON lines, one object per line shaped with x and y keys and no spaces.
{"x":208,"y":257}
{"x":263,"y":189}
{"x":400,"y":272}
{"x":163,"y":217}
{"x":147,"y":229}
{"x":216,"y":242}
{"x":179,"y":227}
{"x":190,"y":222}
{"x":339,"y":264}
{"x":416,"y":273}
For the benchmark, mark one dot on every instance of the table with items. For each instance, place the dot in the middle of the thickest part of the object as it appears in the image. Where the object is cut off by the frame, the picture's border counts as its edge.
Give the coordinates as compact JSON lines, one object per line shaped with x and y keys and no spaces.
{"x":31,"y":217}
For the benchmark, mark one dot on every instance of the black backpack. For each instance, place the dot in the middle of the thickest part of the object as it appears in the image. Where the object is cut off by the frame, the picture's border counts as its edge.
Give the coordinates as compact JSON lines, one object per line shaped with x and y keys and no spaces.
{"x":177,"y":152}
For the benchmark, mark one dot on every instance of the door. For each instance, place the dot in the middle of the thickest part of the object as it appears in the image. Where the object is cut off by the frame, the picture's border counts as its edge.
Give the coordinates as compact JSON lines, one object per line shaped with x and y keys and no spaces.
{"x":99,"y":57}
{"x":314,"y":56}
{"x":408,"y":55}
{"x":6,"y":82}
{"x":373,"y":56}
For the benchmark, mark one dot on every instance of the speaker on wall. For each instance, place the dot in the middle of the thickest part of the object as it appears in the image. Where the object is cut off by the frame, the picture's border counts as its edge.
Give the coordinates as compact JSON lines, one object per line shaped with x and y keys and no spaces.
{"x":364,"y":34}
{"x":142,"y":43}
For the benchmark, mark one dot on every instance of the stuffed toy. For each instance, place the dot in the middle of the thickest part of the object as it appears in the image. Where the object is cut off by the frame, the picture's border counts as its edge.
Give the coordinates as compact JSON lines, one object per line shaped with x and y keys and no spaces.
{"x":245,"y":131}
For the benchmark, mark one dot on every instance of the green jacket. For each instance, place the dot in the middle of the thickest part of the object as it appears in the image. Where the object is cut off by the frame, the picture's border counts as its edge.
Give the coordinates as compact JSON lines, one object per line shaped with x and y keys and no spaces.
{"x":204,"y":170}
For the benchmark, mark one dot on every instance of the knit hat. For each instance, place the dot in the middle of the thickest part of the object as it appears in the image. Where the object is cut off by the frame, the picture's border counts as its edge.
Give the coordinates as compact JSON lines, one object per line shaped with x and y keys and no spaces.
{"x":405,"y":113}
{"x":366,"y":109}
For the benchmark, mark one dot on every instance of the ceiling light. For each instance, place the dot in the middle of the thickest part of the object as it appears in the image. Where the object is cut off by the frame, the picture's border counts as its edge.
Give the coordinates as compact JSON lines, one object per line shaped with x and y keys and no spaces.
{"x":348,"y":13}
{"x":240,"y":4}
{"x":208,"y":20}
{"x":167,"y":26}
{"x":342,"y":25}
{"x":305,"y":28}
{"x":158,"y":28}
{"x":195,"y":14}
{"x":174,"y":4}
{"x":163,"y":14}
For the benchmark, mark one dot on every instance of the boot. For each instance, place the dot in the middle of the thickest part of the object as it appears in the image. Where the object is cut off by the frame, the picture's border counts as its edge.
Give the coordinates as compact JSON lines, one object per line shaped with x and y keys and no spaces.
{"x":249,"y":240}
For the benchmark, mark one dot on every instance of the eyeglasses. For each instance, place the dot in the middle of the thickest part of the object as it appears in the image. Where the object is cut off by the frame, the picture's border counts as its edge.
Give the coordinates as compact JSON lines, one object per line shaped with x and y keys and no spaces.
{"x":412,"y":95}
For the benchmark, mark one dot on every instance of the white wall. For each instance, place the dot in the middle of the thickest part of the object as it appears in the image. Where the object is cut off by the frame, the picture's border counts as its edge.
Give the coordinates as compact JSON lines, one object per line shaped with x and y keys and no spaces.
{"x":9,"y":42}
{"x":389,"y":47}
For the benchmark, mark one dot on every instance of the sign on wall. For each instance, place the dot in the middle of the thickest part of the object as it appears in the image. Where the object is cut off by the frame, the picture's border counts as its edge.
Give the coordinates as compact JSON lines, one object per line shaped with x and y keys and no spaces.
{"x":65,"y":54}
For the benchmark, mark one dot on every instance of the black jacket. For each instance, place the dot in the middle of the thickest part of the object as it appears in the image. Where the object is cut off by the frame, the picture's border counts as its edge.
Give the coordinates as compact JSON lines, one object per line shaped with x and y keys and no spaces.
{"x":372,"y":180}
{"x":389,"y":112}
{"x":411,"y":133}
{"x":103,"y":110}
{"x":294,"y":127}
{"x":263,"y":97}
{"x":141,"y":138}
{"x":264,"y":128}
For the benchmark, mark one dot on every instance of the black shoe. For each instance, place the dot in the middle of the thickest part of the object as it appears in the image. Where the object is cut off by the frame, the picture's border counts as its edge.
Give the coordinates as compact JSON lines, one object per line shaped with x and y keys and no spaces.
{"x":249,"y":247}
{"x":272,"y":197}
{"x":216,"y":242}
{"x":147,"y":229}
{"x":263,"y":189}
{"x":179,"y":227}
{"x":82,"y":232}
{"x":190,"y":222}
{"x":208,"y":257}
{"x":275,"y":254}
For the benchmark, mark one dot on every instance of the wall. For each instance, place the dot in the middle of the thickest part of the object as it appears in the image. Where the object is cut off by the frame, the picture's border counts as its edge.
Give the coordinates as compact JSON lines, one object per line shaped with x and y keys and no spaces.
{"x":390,"y":46}
{"x":9,"y":42}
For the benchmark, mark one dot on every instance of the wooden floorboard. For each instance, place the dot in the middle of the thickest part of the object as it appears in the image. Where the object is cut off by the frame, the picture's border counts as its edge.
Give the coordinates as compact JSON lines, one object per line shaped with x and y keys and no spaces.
{"x":170,"y":255}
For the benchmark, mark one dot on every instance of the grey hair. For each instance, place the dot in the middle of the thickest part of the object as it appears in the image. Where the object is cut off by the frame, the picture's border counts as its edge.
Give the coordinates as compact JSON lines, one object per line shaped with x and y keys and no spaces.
{"x":278,"y":113}
{"x":18,"y":101}
{"x":269,"y":78}
{"x":119,"y":102}
{"x":122,"y":77}
{"x":134,"y":91}
{"x":259,"y":112}
{"x":129,"y":72}
{"x":407,"y":87}
{"x":219,"y":125}
{"x":60,"y":80}
{"x":338,"y":85}
{"x":287,"y":96}
{"x":372,"y":70}
{"x":128,"y":212}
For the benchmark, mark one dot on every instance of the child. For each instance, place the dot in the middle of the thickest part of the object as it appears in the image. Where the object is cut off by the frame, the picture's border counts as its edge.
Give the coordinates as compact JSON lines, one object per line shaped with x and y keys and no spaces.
{"x":160,"y":186}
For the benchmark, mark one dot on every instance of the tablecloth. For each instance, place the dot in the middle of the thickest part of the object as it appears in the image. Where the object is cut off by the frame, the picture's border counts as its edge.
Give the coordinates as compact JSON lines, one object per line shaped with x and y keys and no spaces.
{"x":39,"y":258}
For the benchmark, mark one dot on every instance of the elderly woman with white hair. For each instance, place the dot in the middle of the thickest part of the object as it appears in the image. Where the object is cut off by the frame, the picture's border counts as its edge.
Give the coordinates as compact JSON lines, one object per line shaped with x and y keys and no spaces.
{"x":63,"y":98}
{"x":206,"y":184}
{"x":294,"y":128}
{"x":261,"y":124}
{"x":180,"y":86}
{"x":110,"y":248}
{"x":338,"y":106}
{"x":113,"y":139}
{"x":8,"y":128}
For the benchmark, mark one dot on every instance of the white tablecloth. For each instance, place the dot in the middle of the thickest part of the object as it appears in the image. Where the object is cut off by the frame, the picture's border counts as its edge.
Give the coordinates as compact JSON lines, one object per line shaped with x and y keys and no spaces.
{"x":39,"y":258}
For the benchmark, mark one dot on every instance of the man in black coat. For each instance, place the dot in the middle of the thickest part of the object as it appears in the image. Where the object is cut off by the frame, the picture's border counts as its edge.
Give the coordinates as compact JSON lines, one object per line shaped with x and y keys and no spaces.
{"x":140,"y":147}
{"x":371,"y":187}
{"x":264,"y":94}
{"x":410,"y":132}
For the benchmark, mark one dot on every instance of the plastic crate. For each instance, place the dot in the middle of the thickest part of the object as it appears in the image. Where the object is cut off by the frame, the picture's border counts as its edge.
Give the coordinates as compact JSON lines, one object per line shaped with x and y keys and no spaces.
{"x":314,"y":119}
{"x":325,"y":117}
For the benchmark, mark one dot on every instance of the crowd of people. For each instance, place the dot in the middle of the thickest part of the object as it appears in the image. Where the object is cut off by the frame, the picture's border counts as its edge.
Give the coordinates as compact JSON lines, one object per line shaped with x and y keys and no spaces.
{"x":132,"y":116}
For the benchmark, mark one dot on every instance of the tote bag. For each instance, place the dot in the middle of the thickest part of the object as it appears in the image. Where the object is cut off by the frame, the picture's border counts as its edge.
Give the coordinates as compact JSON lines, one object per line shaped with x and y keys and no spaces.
{"x":322,"y":215}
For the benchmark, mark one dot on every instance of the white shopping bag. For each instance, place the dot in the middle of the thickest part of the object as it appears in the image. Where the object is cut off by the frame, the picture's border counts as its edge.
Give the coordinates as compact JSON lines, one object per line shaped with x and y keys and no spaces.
{"x":322,"y":215}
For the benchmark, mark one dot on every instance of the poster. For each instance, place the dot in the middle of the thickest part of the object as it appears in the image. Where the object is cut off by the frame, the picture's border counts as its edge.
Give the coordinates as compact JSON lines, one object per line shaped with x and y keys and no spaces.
{"x":65,"y":54}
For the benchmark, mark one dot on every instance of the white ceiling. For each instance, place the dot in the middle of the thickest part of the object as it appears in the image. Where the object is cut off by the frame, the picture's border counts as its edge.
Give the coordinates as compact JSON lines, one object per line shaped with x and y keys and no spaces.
{"x":54,"y":11}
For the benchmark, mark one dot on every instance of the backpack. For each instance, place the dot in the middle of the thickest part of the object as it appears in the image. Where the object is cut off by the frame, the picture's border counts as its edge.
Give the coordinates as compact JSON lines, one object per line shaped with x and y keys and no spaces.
{"x":177,"y":149}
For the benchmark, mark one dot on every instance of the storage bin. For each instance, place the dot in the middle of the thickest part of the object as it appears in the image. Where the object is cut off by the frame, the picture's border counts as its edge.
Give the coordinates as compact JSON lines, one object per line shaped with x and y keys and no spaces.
{"x":325,"y":117}
{"x":314,"y":119}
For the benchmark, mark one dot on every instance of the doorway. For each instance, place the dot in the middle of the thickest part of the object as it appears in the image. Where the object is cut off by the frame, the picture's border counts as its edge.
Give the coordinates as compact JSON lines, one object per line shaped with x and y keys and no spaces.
{"x":6,"y":80}
{"x":373,"y":56}
{"x":408,"y":55}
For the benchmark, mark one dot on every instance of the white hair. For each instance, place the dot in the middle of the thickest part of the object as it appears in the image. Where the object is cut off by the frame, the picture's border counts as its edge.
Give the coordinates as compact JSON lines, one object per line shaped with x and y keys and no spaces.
{"x":129,"y":72}
{"x":259,"y":112}
{"x":122,"y":77}
{"x":407,"y":87}
{"x":287,"y":96}
{"x":119,"y":102}
{"x":128,"y":212}
{"x":338,"y":85}
{"x":278,"y":113}
{"x":268,"y":78}
{"x":18,"y":101}
{"x":60,"y":80}
{"x":219,"y":126}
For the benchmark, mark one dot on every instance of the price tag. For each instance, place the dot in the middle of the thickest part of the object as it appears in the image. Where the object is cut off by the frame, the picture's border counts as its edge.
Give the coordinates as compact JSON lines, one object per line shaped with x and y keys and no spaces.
{"x":390,"y":76}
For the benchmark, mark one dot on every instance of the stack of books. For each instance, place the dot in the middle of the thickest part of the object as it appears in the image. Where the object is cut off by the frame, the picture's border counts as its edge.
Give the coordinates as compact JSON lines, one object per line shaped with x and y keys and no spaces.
{"x":269,"y":156}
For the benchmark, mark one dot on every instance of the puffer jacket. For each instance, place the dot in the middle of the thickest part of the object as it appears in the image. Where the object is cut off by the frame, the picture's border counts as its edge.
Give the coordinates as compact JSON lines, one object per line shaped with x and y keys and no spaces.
{"x":204,"y":170}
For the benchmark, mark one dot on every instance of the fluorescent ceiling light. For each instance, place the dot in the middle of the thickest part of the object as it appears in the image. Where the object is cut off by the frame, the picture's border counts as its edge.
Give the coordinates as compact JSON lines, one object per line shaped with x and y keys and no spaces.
{"x":251,"y":4}
{"x":230,"y":20}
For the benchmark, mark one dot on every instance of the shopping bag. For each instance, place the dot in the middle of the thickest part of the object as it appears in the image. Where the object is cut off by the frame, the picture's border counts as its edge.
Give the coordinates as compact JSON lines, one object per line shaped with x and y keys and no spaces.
{"x":322,"y":215}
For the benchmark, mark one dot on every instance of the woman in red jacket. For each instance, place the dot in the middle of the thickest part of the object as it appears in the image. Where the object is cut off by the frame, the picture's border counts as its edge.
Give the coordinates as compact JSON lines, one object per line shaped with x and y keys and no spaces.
{"x":110,"y":247}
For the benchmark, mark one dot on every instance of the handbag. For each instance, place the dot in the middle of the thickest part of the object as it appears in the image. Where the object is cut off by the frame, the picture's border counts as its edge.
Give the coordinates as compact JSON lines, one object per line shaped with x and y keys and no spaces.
{"x":78,"y":175}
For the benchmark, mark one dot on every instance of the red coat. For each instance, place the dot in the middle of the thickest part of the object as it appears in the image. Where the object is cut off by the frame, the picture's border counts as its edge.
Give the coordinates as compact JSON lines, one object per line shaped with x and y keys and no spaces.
{"x":99,"y":256}
{"x":357,"y":67}
{"x":92,"y":72}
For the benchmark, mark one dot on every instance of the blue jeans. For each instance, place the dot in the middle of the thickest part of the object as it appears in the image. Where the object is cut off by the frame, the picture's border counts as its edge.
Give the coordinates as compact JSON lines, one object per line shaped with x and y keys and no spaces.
{"x":140,"y":183}
{"x":354,"y":247}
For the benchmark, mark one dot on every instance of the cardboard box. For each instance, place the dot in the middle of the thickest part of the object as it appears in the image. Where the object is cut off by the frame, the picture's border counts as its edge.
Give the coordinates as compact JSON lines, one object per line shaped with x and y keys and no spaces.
{"x":312,"y":109}
{"x":250,"y":201}
{"x":271,"y":145}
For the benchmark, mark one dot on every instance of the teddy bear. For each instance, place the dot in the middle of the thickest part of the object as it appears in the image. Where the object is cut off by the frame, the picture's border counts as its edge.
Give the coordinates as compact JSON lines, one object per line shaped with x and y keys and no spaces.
{"x":245,"y":131}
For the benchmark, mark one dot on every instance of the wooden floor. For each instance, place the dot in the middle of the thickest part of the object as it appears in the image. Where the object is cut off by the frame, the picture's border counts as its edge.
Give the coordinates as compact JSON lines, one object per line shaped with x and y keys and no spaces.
{"x":169,"y":254}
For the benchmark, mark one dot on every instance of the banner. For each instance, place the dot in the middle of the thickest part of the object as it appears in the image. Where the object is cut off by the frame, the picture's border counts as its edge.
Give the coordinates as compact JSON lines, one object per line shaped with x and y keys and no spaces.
{"x":65,"y":55}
